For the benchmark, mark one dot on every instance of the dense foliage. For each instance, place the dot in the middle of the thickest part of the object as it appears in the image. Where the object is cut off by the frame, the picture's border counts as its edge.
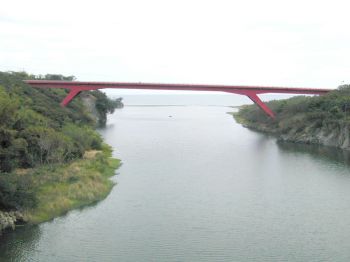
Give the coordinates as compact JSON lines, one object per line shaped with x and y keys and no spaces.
{"x":330,"y":112}
{"x":35,"y":130}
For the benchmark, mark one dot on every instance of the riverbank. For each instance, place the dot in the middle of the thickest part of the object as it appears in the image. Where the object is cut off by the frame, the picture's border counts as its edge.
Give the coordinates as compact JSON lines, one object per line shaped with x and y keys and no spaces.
{"x":62,"y":187}
{"x":319,"y":120}
{"x":52,"y":159}
{"x":65,"y":187}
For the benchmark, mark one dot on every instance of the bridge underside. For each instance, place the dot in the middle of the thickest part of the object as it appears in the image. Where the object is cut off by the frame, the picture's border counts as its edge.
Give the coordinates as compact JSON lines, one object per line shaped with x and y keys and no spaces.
{"x":249,"y":91}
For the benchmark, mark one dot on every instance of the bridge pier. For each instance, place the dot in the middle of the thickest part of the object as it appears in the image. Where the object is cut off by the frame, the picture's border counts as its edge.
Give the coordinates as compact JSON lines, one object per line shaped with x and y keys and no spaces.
{"x":72,"y":93}
{"x":261,"y":104}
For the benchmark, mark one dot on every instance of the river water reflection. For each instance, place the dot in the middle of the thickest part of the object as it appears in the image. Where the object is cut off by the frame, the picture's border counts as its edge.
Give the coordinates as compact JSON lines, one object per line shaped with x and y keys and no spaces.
{"x":196,"y":186}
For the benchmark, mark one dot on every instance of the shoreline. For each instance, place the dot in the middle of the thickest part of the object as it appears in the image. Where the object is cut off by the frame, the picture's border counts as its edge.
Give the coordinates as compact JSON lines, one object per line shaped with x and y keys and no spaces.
{"x":315,"y":138}
{"x":52,"y":158}
{"x":64,"y":187}
{"x":316,"y":120}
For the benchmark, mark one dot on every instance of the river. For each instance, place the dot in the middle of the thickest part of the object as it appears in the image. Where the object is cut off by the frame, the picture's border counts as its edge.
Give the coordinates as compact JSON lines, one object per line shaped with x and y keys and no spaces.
{"x":197,"y":186}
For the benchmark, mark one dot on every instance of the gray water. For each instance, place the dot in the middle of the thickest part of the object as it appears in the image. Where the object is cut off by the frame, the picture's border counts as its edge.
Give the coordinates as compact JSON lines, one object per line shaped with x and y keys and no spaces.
{"x":196,"y":186}
{"x":192,"y":98}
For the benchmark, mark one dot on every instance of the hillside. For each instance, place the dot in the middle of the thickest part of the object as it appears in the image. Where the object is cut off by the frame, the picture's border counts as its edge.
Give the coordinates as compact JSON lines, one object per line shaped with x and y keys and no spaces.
{"x":39,"y":143}
{"x":321,"y":120}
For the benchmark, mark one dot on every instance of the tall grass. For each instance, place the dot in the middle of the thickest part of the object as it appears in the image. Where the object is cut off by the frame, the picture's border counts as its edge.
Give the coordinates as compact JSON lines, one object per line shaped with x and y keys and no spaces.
{"x":60,"y":188}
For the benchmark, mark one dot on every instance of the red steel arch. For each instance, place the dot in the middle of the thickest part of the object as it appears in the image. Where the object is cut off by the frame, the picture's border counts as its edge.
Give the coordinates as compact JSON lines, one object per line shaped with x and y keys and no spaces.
{"x":252,"y":92}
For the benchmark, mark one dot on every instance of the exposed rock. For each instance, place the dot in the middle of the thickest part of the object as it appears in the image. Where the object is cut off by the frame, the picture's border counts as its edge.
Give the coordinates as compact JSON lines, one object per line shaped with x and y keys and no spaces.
{"x":9,"y":219}
{"x":339,"y":138}
{"x":90,"y":104}
{"x":98,"y":112}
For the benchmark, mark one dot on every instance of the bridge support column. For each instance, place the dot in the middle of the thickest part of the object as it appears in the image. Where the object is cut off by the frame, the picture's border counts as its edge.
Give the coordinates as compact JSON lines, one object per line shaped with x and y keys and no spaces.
{"x":73,"y":92}
{"x":261,"y":104}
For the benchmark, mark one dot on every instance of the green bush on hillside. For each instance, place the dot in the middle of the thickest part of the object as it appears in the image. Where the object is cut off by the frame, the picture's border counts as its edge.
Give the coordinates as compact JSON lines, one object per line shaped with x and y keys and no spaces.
{"x":35,"y":130}
{"x":327,"y":112}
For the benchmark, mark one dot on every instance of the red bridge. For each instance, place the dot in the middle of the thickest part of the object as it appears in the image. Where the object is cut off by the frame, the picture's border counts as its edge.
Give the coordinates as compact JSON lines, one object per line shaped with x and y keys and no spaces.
{"x":250,"y":91}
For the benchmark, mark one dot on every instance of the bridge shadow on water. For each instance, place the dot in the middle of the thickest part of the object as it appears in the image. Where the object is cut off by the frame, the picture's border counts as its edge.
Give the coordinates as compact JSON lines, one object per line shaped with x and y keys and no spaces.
{"x":317,"y":152}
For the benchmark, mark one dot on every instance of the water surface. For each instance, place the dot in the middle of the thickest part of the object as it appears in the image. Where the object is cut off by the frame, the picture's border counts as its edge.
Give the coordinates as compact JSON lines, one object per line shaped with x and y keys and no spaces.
{"x":196,"y":186}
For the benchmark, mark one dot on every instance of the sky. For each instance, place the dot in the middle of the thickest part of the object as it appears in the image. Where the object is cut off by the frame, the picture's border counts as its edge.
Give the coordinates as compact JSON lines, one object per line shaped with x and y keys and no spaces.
{"x":268,"y":43}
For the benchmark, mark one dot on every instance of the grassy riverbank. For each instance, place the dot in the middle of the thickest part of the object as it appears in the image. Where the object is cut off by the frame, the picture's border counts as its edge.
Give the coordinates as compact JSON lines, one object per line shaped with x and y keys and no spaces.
{"x":321,"y":120}
{"x":63,"y":187}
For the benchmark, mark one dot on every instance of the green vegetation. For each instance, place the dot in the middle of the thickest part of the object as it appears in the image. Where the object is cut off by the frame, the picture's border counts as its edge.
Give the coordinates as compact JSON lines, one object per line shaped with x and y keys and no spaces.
{"x":61,"y":187}
{"x":42,"y":170}
{"x":316,"y":120}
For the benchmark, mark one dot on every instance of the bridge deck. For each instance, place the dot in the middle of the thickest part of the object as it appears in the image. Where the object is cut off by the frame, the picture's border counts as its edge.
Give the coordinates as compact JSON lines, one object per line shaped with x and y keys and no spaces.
{"x":251,"y":91}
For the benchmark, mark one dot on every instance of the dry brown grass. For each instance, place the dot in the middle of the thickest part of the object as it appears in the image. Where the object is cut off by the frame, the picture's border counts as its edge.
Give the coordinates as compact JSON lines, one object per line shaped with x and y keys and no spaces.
{"x":91,"y":154}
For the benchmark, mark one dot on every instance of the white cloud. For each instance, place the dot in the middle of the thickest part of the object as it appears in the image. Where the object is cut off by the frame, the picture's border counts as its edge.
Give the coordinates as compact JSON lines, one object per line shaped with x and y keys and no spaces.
{"x":284,"y":43}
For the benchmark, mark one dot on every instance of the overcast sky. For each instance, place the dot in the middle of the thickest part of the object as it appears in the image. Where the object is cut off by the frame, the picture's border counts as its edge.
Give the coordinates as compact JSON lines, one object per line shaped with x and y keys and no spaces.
{"x":281,"y":43}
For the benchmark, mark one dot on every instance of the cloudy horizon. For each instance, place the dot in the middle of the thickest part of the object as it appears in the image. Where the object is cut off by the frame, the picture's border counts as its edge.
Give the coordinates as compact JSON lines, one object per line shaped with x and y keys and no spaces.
{"x":268,"y":43}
